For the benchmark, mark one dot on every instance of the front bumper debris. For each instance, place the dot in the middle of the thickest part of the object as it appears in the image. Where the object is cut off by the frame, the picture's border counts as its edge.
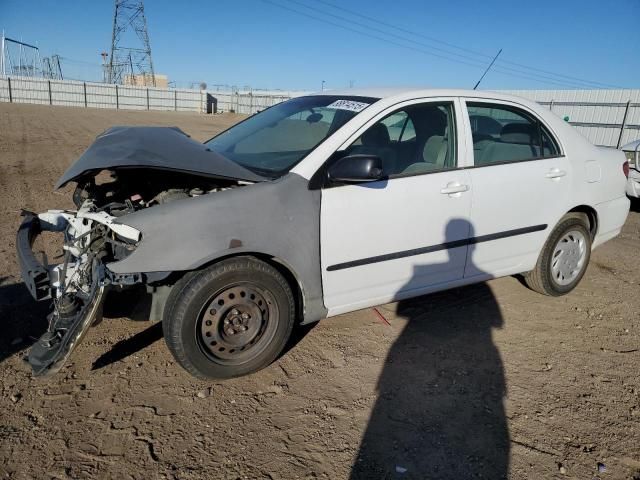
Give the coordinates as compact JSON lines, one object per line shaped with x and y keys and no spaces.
{"x":34,"y":274}
{"x":52,"y":349}
{"x":76,"y":287}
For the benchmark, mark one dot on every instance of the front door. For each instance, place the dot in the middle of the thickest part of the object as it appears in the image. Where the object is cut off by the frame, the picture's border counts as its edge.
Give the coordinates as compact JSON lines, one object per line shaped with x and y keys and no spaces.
{"x":397,"y":237}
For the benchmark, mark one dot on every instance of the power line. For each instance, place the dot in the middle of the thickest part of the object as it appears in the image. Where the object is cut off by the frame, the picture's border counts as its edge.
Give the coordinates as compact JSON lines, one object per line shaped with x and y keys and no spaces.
{"x":363,"y":33}
{"x":477,"y":65}
{"x":502,"y":69}
{"x":400,"y":37}
{"x":529,"y":76}
{"x":556,"y":79}
{"x":457,"y":47}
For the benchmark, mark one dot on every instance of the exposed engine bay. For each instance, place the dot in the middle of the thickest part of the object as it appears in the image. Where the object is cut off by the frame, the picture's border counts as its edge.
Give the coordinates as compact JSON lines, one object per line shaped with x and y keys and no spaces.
{"x":93,"y":239}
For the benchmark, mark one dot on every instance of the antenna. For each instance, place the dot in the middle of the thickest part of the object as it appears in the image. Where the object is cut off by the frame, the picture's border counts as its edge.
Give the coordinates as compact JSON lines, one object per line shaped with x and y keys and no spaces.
{"x":488,"y":68}
{"x":130,"y":28}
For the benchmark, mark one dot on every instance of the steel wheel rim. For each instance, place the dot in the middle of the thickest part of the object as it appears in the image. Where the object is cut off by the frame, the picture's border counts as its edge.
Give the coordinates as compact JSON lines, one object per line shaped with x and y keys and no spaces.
{"x":568,"y":258}
{"x":237,"y":323}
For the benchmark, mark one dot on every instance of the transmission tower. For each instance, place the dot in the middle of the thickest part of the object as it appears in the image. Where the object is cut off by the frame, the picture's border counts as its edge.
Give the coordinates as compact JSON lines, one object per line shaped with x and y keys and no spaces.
{"x":51,"y":68}
{"x":130,"y":47}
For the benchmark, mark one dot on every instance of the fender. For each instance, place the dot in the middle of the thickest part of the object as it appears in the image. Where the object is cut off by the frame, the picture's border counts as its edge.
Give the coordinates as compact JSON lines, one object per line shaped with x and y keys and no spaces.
{"x":280,"y":219}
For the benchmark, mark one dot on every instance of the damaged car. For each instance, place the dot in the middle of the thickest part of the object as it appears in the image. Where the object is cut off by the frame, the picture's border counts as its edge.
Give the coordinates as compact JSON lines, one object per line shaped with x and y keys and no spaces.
{"x":318,"y":206}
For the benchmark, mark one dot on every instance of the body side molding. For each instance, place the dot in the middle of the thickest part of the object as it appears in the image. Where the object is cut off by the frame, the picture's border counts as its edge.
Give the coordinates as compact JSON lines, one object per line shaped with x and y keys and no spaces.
{"x":435,"y":248}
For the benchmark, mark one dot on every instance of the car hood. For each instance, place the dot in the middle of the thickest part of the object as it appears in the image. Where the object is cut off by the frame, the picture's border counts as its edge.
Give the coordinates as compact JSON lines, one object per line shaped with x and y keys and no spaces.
{"x":153,"y":147}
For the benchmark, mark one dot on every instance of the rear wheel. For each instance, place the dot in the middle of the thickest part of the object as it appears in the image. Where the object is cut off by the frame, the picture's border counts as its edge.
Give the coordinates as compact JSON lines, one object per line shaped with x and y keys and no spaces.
{"x":564,"y":258}
{"x":230,"y":319}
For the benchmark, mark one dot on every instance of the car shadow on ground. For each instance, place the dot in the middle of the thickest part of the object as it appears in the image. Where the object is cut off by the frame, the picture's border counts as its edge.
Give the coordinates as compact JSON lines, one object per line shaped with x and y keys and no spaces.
{"x":135,"y":305}
{"x":22,"y":319}
{"x":440,"y":407}
{"x":635,"y":204}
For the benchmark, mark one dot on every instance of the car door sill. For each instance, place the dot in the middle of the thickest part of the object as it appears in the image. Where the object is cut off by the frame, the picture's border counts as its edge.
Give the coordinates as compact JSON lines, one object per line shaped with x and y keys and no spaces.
{"x":407,"y":294}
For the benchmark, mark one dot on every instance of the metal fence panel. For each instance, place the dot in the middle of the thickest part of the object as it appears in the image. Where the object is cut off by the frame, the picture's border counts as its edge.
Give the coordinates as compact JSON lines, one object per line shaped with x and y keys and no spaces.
{"x":99,"y":95}
{"x":605,"y":117}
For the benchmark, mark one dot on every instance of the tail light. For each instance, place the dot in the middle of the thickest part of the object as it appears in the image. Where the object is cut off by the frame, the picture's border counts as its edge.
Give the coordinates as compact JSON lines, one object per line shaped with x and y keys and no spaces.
{"x":625,"y":169}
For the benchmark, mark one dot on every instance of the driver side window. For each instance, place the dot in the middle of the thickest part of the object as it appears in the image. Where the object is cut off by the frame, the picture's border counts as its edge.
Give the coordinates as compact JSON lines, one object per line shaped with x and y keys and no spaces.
{"x":414,"y":140}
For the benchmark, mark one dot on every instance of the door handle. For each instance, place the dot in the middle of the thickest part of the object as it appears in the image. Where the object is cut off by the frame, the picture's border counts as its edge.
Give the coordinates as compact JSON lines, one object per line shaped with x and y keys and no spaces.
{"x":453,"y":188}
{"x":555,"y":173}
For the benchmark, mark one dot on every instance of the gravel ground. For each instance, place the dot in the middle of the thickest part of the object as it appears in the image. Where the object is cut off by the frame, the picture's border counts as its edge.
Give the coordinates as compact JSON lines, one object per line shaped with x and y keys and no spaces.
{"x":487,"y":381}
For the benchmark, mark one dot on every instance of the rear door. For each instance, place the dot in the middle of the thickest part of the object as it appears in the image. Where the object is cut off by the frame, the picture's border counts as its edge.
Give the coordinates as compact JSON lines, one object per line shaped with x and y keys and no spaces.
{"x":520,"y":181}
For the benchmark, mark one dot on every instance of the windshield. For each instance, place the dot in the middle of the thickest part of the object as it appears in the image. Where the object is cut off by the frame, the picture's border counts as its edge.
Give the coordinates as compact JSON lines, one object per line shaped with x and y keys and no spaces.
{"x":271,"y":142}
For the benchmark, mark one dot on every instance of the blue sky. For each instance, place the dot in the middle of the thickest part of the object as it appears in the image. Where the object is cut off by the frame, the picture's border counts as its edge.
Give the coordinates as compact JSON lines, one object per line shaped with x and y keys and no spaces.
{"x":261,"y":44}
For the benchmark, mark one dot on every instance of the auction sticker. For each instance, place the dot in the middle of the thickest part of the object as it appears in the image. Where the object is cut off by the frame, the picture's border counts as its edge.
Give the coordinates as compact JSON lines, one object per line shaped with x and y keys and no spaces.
{"x":348,"y":105}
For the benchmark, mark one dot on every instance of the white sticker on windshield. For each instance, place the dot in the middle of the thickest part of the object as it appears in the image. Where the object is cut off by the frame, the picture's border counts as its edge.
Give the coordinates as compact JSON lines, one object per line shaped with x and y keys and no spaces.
{"x":348,"y":105}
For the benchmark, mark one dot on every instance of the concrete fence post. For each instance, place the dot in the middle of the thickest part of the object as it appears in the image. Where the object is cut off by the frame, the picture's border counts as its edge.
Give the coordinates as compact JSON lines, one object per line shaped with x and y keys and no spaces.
{"x":50,"y":96}
{"x":624,"y":124}
{"x":175,"y":99}
{"x":117,"y":99}
{"x":551,"y":106}
{"x":147,"y":98}
{"x":84,"y":88}
{"x":10,"y":93}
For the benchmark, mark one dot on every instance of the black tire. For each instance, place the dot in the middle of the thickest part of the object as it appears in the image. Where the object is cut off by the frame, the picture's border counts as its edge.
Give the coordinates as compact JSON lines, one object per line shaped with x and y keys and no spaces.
{"x":230,"y":319}
{"x":541,"y":278}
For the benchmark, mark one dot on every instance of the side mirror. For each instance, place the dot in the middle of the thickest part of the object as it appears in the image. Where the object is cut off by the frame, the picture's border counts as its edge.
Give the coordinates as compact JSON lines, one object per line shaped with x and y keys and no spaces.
{"x":356,"y":169}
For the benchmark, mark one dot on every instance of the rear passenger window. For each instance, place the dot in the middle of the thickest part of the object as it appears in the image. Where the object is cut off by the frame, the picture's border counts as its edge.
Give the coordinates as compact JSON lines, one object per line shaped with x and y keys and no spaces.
{"x":504,"y":134}
{"x":417,"y":139}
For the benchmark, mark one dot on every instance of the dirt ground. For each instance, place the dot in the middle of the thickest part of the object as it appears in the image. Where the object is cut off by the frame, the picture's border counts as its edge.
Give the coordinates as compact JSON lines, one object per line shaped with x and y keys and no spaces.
{"x":487,"y":381}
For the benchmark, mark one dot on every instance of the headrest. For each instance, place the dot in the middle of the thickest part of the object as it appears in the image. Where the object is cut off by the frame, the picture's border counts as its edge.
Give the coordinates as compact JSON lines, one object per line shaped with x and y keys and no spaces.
{"x":522,"y":133}
{"x":429,"y":121}
{"x":484,"y":125}
{"x":376,"y":136}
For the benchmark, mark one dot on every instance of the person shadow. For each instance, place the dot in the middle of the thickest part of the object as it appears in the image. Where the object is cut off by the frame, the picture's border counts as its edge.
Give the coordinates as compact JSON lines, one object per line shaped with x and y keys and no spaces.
{"x":440,"y":409}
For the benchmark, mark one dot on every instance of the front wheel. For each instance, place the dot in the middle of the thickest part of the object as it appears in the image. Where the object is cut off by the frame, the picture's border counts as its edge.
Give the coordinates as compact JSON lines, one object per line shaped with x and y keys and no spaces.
{"x":230,"y":319}
{"x":564,"y":257}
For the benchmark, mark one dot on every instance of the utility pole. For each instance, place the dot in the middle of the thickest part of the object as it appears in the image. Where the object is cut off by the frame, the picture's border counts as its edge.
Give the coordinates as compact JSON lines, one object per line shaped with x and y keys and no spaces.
{"x":2,"y":68}
{"x":130,"y":47}
{"x":105,"y":75}
{"x":132,"y":80}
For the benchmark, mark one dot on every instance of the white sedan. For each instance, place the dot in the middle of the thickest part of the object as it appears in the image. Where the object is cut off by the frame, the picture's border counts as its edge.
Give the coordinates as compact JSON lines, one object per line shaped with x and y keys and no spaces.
{"x":321,"y":205}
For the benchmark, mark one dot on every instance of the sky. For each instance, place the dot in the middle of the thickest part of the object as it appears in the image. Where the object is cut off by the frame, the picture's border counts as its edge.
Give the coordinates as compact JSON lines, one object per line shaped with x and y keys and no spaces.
{"x":298,"y":44}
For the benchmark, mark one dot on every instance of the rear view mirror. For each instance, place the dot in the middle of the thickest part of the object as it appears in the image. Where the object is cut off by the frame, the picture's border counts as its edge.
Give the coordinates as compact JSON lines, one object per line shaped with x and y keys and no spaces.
{"x":314,"y":118}
{"x":356,"y":169}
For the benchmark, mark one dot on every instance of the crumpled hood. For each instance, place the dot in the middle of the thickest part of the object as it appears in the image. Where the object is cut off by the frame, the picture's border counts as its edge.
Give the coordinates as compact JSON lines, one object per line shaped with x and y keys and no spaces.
{"x":153,"y":147}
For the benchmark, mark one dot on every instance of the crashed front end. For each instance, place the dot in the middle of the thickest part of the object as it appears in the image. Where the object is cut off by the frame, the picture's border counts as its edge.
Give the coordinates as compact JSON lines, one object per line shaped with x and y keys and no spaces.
{"x":77,"y":285}
{"x":126,"y":171}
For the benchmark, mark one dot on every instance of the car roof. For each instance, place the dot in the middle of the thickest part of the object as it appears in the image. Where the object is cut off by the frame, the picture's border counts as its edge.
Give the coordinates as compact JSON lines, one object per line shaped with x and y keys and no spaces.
{"x":404,"y":93}
{"x":399,"y":94}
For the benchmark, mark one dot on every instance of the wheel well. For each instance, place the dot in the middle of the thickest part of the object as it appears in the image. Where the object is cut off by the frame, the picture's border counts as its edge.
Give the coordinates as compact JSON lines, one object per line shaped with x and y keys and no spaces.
{"x":282,"y":268}
{"x":592,"y":216}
